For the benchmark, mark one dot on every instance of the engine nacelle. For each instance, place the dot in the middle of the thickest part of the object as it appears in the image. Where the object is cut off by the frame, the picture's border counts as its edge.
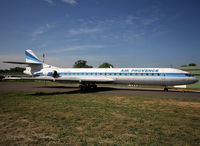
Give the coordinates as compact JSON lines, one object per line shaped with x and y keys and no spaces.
{"x":55,"y":74}
{"x":27,"y":71}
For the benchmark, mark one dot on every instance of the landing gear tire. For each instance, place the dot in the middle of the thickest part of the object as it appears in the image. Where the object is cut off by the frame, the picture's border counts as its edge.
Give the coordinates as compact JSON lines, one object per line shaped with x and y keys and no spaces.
{"x":87,"y":87}
{"x":94,"y":86}
{"x":165,"y":89}
{"x":83,"y":88}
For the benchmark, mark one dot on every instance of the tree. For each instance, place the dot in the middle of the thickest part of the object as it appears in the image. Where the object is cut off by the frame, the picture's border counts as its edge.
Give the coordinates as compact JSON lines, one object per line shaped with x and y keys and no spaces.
{"x":192,"y":64}
{"x":81,"y":64}
{"x":106,"y":65}
{"x":17,"y":69}
{"x":183,"y":65}
{"x":13,"y":70}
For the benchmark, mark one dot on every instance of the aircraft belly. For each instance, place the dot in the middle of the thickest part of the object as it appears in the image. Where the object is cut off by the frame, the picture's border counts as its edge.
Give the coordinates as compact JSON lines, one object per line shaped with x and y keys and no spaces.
{"x":175,"y":81}
{"x":140,"y":80}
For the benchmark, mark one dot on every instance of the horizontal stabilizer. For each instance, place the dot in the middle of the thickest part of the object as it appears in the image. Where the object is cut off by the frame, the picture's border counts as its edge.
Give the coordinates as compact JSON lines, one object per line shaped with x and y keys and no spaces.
{"x":28,"y":63}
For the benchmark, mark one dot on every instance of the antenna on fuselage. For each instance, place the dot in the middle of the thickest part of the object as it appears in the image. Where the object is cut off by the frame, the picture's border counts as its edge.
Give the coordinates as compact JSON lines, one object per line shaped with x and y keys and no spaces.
{"x":43,"y":57}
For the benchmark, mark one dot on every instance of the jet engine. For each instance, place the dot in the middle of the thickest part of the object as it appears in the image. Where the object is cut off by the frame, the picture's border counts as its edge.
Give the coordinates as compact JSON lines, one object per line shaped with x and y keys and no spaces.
{"x":55,"y":74}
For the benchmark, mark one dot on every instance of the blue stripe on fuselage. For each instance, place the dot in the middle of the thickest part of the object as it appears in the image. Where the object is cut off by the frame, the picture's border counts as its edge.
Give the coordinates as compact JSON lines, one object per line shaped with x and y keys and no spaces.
{"x":119,"y":74}
{"x":31,"y":57}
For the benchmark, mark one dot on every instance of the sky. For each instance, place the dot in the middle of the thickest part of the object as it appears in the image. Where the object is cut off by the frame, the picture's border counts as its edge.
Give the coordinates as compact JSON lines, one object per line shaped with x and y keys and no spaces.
{"x":125,"y":33}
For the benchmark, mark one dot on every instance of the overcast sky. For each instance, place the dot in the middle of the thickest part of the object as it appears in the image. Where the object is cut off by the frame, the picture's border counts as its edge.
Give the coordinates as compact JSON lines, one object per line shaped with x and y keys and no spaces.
{"x":125,"y":33}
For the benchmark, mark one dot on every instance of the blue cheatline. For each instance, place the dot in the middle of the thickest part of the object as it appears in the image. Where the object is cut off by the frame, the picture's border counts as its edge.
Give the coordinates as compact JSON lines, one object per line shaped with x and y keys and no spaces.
{"x":119,"y":74}
{"x":31,"y":57}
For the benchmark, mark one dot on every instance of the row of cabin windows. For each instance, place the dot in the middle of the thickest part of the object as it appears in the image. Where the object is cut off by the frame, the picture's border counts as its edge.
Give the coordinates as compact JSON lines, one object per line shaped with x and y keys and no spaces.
{"x":147,"y":74}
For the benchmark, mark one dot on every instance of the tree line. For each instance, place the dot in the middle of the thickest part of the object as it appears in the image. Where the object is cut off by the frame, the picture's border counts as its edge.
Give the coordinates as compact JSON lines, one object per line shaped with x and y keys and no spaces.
{"x":12,"y":70}
{"x":191,"y":64}
{"x":77,"y":64}
{"x":83,"y":64}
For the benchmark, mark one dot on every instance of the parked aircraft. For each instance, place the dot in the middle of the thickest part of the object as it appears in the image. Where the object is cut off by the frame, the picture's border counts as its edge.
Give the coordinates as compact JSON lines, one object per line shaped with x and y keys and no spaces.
{"x":89,"y":77}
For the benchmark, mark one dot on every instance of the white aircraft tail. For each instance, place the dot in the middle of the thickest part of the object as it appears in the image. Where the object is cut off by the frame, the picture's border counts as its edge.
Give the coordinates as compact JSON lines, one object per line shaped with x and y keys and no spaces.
{"x":31,"y":57}
{"x":34,"y":63}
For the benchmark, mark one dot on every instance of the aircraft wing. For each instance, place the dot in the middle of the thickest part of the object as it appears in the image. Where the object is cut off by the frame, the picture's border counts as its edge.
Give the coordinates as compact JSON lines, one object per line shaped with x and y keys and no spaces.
{"x":86,"y":79}
{"x":28,"y":78}
{"x":65,"y":79}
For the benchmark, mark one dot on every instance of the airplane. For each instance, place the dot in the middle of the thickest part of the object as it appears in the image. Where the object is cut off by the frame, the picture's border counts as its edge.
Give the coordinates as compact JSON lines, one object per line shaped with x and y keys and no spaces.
{"x":89,"y":77}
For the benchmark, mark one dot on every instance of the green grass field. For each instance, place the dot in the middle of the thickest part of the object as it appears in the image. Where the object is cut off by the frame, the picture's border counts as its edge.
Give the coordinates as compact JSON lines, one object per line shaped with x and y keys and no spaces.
{"x":81,"y":119}
{"x":196,"y":85}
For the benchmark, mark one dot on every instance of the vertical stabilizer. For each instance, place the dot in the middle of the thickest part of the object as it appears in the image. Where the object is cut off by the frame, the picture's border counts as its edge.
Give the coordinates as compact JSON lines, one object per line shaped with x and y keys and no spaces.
{"x":31,"y":57}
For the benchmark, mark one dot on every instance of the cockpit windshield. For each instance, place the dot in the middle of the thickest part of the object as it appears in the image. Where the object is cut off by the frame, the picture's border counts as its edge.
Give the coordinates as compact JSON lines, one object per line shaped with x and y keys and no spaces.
{"x":189,"y":75}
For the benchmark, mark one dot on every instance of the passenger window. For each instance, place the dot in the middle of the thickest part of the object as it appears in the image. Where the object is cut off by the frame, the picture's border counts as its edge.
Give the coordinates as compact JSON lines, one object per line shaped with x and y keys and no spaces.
{"x":115,"y":74}
{"x":120,"y":74}
{"x":110,"y":74}
{"x":147,"y":74}
{"x":100,"y":73}
{"x":86,"y":73}
{"x":125,"y":74}
{"x":158,"y":74}
{"x":141,"y":74}
{"x":152,"y":74}
{"x":77,"y":73}
{"x":136,"y":74}
{"x":105,"y":74}
{"x":131,"y":74}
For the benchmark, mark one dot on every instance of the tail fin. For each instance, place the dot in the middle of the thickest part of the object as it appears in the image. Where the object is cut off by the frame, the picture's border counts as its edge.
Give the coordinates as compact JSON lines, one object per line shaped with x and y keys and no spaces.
{"x":31,"y":57}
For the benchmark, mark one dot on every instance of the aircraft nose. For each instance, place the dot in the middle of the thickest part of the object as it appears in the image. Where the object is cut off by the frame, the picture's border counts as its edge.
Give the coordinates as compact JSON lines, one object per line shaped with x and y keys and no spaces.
{"x":194,"y":80}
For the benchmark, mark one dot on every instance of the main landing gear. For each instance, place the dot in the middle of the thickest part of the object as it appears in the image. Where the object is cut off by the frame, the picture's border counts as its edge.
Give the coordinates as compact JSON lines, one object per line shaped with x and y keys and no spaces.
{"x":166,"y":89}
{"x":85,"y":87}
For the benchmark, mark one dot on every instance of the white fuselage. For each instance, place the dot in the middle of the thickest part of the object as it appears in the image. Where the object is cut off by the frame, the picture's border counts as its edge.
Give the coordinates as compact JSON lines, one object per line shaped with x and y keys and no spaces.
{"x":144,"y":76}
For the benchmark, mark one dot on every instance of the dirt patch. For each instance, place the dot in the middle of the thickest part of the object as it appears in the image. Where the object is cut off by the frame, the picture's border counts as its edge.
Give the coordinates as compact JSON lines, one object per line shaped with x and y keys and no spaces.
{"x":182,"y":103}
{"x":117,"y":115}
{"x":79,"y":128}
{"x":116,"y":99}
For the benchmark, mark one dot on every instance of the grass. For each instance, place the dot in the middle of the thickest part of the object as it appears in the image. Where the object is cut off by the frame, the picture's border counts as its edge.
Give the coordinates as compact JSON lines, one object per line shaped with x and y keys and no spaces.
{"x":81,"y":119}
{"x":195,"y":85}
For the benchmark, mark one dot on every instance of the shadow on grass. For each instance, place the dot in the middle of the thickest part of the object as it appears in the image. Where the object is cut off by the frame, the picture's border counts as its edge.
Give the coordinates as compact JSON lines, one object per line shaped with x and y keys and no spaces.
{"x":76,"y":90}
{"x":99,"y":89}
{"x":61,"y":87}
